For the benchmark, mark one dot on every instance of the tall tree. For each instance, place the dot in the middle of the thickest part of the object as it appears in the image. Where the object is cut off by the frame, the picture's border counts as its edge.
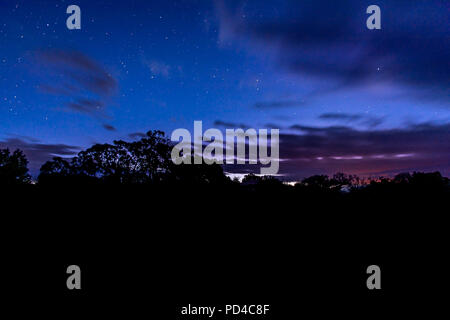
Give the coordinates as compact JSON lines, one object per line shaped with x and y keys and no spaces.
{"x":13,"y":168}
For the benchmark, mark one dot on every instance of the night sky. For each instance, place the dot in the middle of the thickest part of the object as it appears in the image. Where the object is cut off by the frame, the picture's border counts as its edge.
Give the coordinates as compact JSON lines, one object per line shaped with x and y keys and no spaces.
{"x":367,"y":102}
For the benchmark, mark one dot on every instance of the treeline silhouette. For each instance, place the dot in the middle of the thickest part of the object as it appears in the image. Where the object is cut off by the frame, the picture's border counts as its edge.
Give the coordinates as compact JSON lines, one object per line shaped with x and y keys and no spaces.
{"x":147,"y":162}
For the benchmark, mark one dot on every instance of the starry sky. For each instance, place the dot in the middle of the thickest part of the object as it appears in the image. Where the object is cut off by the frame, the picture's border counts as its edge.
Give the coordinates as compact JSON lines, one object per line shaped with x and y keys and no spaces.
{"x":345,"y":98}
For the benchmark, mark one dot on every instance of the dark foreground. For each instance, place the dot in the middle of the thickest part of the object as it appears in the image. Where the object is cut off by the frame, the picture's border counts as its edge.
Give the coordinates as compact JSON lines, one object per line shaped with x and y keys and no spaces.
{"x":145,"y":252}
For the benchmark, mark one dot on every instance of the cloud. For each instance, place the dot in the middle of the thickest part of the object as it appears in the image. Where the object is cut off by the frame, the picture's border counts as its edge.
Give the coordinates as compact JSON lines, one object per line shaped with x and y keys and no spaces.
{"x":87,"y":106}
{"x":230,"y":125}
{"x":136,"y":135}
{"x":327,"y":150}
{"x":340,"y":116}
{"x":38,"y":153}
{"x":330,"y":149}
{"x":364,"y":119}
{"x":81,"y":80}
{"x":278,"y":104}
{"x":81,"y":69}
{"x":330,"y":40}
{"x":109,"y":127}
{"x":373,"y":122}
{"x":312,"y":130}
{"x":317,"y":150}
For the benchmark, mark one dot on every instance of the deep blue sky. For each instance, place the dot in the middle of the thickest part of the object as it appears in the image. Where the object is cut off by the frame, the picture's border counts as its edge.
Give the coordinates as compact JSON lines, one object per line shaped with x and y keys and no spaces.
{"x":345,"y":98}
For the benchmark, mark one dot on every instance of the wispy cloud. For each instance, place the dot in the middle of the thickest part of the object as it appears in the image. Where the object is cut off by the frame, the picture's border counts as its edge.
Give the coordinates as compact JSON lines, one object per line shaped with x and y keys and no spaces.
{"x":230,"y":125}
{"x":370,"y":121}
{"x":326,"y":150}
{"x":36,"y":152}
{"x":408,"y":51}
{"x":137,"y":135}
{"x":109,"y":127}
{"x":278,"y":104}
{"x":340,"y":116}
{"x":86,"y":85}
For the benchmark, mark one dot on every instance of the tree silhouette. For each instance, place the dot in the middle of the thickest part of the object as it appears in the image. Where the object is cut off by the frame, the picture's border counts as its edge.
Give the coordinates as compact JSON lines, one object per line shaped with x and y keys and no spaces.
{"x":57,"y":171}
{"x":150,"y":157}
{"x":197,"y":174}
{"x":262,"y":183}
{"x":146,"y":161}
{"x":317,"y":183}
{"x":403,"y":178}
{"x":251,"y":179}
{"x":106,"y":162}
{"x":13,"y":168}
